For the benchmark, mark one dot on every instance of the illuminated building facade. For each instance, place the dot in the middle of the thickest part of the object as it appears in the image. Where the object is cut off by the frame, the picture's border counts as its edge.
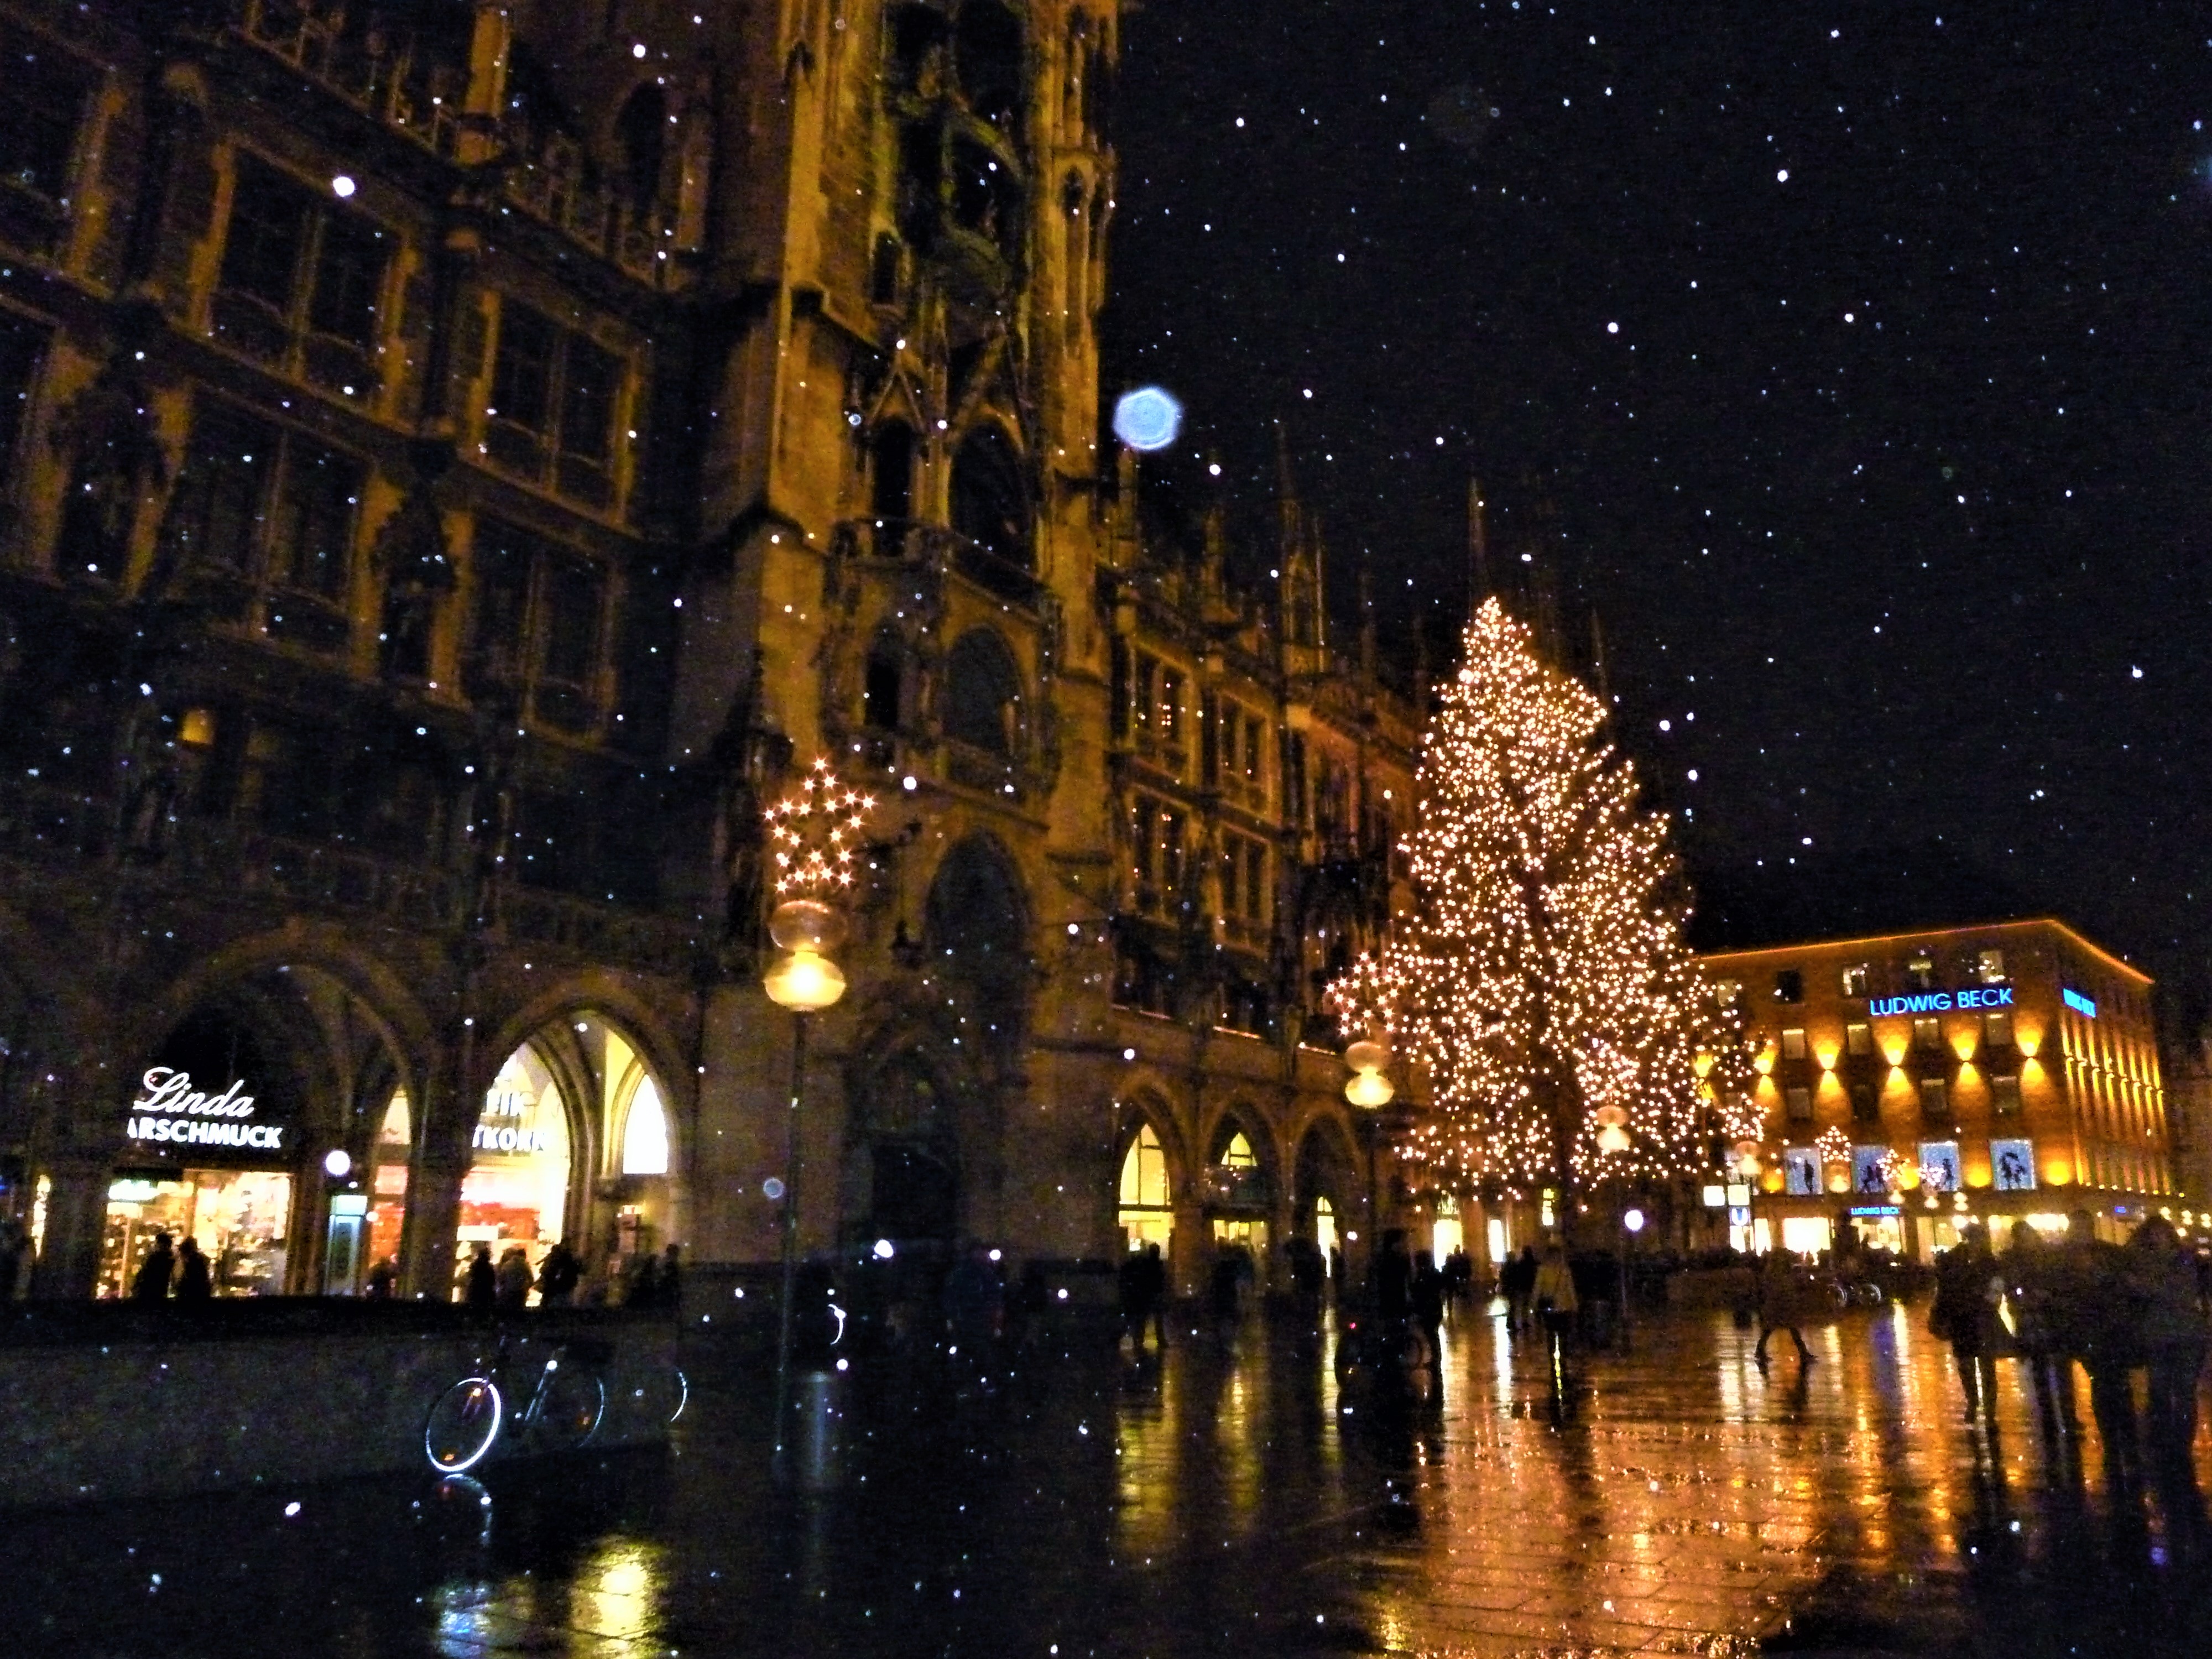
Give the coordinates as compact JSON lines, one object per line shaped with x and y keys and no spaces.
{"x":1910,"y":1082}
{"x":462,"y":460}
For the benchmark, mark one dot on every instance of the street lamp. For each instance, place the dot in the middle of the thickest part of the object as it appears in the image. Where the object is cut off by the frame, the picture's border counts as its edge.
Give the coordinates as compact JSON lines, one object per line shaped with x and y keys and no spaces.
{"x":815,"y":830}
{"x":1632,"y":1224}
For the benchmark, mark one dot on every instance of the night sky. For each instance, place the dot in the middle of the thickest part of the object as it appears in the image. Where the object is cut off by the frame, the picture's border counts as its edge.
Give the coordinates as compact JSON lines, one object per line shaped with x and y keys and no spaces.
{"x":1848,"y":361}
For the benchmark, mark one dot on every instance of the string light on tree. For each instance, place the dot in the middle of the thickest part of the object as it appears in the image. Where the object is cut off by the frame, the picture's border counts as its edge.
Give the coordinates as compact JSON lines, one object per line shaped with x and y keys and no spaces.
{"x":1540,"y":978}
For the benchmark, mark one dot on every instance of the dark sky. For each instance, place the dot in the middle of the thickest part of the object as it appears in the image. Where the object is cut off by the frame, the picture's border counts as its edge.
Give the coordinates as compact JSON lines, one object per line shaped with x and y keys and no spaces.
{"x":1860,"y":351}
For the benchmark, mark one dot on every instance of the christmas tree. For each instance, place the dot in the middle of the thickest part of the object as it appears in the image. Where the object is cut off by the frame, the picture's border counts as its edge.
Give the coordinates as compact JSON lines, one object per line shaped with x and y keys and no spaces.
{"x":1542,"y":980}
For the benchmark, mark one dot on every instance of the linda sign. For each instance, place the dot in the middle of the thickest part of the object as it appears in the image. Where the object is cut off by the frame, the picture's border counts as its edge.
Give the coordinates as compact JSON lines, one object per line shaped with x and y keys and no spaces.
{"x":1938,"y":1002}
{"x":171,"y":1110}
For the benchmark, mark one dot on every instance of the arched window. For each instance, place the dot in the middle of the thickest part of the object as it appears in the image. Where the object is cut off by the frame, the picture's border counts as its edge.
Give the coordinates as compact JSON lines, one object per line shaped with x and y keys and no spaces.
{"x":986,"y":50}
{"x":982,"y":693}
{"x":642,"y":130}
{"x":990,"y":507}
{"x":645,"y":1133}
{"x":1238,"y":1153}
{"x":890,"y":482}
{"x":1145,"y":1211}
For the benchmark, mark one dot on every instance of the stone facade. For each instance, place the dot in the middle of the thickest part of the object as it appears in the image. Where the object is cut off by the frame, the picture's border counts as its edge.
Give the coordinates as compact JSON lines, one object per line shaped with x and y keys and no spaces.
{"x":462,"y":460}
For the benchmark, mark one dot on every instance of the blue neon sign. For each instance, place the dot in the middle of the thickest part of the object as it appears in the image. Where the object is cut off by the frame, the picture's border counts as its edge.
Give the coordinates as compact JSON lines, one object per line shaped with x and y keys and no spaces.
{"x":1937,"y":1002}
{"x":2080,"y":1004}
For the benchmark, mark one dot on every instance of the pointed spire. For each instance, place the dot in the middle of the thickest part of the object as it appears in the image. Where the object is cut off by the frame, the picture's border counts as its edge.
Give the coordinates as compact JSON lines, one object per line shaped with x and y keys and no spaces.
{"x":1478,"y":547}
{"x":1366,"y":620}
{"x":1597,"y":660}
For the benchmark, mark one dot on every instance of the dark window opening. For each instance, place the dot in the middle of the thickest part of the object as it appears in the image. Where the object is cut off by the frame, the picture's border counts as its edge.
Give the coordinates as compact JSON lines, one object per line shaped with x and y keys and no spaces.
{"x":589,"y":378}
{"x":317,"y":500}
{"x":642,"y":130}
{"x":884,"y":270}
{"x":349,"y":275}
{"x":522,"y":374}
{"x":538,"y":637}
{"x":1790,"y":986}
{"x":987,"y":53}
{"x":982,"y":693}
{"x":882,"y":683}
{"x":216,"y":509}
{"x":986,"y":198}
{"x":1863,"y":1106}
{"x":46,"y":95}
{"x":890,"y":485}
{"x":22,"y":349}
{"x":990,"y":507}
{"x":916,"y":32}
{"x":921,"y":164}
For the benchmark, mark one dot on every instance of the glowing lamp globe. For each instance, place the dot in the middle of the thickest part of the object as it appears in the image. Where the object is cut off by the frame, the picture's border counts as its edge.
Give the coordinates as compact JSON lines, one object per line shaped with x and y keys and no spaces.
{"x":1612,"y":1139}
{"x":1633,"y":1221}
{"x":1370,"y":1088}
{"x":1367,"y":1057}
{"x":806,"y":982}
{"x":1610,"y":1117}
{"x":1147,"y":419}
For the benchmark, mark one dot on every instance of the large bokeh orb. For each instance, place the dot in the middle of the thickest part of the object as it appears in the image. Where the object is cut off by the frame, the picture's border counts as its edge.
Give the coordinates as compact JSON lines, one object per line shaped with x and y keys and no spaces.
{"x":1147,"y":419}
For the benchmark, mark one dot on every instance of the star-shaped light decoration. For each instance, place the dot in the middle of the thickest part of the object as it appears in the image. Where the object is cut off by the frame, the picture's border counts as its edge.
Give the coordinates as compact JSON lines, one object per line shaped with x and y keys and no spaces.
{"x":815,"y":830}
{"x":1834,"y":1146}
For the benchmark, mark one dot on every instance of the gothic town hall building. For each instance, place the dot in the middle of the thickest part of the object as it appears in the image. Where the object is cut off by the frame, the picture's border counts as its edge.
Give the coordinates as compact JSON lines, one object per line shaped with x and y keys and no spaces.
{"x":463,"y":460}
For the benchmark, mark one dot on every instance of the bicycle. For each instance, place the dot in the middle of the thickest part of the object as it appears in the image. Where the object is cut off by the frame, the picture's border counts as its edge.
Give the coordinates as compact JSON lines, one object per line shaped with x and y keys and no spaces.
{"x":561,"y":1410}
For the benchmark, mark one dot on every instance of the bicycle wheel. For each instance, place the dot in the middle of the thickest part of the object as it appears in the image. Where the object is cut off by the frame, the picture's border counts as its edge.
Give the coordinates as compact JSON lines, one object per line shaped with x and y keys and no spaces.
{"x":463,"y":1425}
{"x":569,"y":1411}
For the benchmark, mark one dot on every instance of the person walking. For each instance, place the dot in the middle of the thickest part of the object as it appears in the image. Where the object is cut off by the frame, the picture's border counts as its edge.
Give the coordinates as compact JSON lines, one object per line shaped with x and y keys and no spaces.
{"x":1156,"y":1294}
{"x":1517,"y":1283}
{"x":511,"y":1280}
{"x":151,"y":1282}
{"x":194,"y":1284}
{"x":2031,"y":1283}
{"x":1967,"y":1286}
{"x":1425,"y":1295}
{"x":2096,"y":1323}
{"x":1552,"y":1295}
{"x":558,"y":1276}
{"x":1784,"y":1293}
{"x":1134,"y":1281}
{"x":2162,"y":1285}
{"x":482,"y":1291}
{"x":383,"y":1281}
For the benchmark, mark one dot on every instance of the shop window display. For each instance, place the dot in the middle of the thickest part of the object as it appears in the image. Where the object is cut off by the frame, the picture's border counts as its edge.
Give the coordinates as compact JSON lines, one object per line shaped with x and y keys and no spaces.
{"x":1145,"y":1215}
{"x":516,"y":1192}
{"x":238,"y":1217}
{"x":387,"y":1203}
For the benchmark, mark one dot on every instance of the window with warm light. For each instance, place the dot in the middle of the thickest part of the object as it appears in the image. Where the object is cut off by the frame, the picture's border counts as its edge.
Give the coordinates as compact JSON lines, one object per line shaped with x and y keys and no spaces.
{"x":645,"y":1133}
{"x":2004,"y":1095}
{"x":1799,"y":1103}
{"x":1238,"y":1154}
{"x":1990,"y":967}
{"x":1920,"y":973}
{"x":1927,"y":1034}
{"x":1793,"y":1042}
{"x":1996,"y":1030}
{"x":1858,"y":1039}
{"x":1855,"y":980}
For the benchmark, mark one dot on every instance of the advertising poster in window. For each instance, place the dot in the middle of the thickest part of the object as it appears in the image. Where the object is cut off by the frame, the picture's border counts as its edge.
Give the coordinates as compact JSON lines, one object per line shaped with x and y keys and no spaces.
{"x":1801,"y":1172}
{"x":2012,"y":1165}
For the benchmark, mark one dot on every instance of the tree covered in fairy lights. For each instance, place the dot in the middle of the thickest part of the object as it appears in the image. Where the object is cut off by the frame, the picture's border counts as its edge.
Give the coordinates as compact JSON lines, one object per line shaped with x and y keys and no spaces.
{"x":1541,"y":980}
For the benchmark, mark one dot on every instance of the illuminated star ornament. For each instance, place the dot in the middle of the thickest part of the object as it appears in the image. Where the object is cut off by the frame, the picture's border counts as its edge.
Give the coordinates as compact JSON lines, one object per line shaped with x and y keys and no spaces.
{"x":815,"y":830}
{"x":1147,"y":419}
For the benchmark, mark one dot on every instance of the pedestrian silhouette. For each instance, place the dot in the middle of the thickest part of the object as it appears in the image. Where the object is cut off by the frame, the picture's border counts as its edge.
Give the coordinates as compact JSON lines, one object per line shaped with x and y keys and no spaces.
{"x":152,"y":1281}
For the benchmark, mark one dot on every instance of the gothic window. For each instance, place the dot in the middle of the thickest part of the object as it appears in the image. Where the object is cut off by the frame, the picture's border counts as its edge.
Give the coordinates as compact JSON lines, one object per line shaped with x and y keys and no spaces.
{"x":882,"y":687}
{"x":641,"y":130}
{"x":22,"y":348}
{"x":301,"y":280}
{"x":987,"y":59}
{"x":555,"y":395}
{"x":275,"y":513}
{"x":890,"y":481}
{"x":884,"y":270}
{"x":990,"y":506}
{"x":986,"y":196}
{"x":916,"y":32}
{"x":47,"y":94}
{"x":540,"y":632}
{"x":982,"y":693}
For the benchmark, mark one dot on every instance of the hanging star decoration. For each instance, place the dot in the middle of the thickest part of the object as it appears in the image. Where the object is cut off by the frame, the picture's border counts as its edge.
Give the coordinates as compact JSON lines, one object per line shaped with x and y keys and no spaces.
{"x":815,"y":832}
{"x":1364,"y":996}
{"x":1833,"y":1146}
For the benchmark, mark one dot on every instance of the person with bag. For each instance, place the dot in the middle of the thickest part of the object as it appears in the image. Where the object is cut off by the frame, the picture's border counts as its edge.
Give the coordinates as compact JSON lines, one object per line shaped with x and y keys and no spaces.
{"x":1968,"y":1287}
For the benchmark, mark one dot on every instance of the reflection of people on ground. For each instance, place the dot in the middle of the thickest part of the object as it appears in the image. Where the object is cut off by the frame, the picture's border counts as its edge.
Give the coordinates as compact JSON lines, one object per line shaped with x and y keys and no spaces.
{"x":1967,"y":1287}
{"x":1225,"y":1287}
{"x":2162,"y":1285}
{"x":1553,"y":1294}
{"x":2095,"y":1323}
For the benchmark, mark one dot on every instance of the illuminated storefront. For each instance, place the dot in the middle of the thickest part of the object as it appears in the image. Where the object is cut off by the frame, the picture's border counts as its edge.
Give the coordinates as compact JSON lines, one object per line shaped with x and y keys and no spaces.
{"x":517,"y":1188}
{"x":1911,"y":1083}
{"x":1145,"y":1215}
{"x":208,"y":1161}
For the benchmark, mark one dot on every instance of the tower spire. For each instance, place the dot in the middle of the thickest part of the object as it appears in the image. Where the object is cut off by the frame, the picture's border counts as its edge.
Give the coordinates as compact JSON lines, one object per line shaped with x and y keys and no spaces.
{"x":1478,"y":548}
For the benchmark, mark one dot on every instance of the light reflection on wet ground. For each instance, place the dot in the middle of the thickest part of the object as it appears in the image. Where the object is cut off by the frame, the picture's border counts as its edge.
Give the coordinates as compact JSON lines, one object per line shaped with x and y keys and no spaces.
{"x":1672,"y":1499}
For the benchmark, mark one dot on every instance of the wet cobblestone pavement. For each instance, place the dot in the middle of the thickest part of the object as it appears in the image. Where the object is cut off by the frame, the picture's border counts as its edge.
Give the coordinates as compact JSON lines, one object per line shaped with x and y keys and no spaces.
{"x":1673,"y":1499}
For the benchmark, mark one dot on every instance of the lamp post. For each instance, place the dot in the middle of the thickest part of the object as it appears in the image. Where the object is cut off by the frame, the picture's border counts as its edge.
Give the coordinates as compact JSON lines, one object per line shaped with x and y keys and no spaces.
{"x":1370,"y":1090}
{"x":1632,"y":1224}
{"x":815,"y":831}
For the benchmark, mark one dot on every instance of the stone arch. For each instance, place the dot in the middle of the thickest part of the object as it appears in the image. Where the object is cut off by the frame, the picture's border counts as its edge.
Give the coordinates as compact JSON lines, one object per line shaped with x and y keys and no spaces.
{"x":977,"y":917}
{"x":1241,"y":1117}
{"x":906,"y":1168}
{"x":981,"y":696}
{"x":1145,"y":1123}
